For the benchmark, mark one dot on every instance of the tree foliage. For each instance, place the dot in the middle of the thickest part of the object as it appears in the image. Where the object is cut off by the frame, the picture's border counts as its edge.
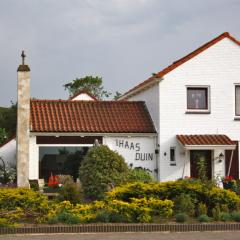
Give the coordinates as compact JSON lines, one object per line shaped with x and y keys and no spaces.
{"x":8,"y":119}
{"x":101,"y":170}
{"x":90,"y":84}
{"x":3,"y":135}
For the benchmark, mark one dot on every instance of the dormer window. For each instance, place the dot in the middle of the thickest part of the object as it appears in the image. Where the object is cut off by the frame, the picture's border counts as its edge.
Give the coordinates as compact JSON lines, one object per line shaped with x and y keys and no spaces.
{"x":198,"y":99}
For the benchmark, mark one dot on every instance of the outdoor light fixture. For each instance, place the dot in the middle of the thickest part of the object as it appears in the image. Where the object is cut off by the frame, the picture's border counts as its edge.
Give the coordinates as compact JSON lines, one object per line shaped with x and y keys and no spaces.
{"x":220,"y":157}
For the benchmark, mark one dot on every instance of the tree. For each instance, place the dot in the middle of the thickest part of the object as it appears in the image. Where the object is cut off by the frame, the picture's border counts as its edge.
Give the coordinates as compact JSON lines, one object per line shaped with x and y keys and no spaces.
{"x":3,"y":135}
{"x":117,"y":95}
{"x":8,"y":119}
{"x":90,"y":84}
{"x":101,"y":170}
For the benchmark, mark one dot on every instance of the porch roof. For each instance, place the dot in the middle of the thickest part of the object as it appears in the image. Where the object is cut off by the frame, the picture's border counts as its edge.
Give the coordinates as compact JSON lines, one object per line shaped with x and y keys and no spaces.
{"x":206,"y":141}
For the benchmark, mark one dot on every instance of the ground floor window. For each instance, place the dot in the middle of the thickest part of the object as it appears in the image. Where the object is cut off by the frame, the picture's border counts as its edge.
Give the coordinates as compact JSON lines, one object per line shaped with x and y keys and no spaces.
{"x":60,"y":160}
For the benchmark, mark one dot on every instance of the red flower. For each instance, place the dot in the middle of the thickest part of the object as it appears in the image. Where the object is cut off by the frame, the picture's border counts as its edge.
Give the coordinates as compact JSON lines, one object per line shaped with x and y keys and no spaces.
{"x":228,"y":178}
{"x":53,"y":181}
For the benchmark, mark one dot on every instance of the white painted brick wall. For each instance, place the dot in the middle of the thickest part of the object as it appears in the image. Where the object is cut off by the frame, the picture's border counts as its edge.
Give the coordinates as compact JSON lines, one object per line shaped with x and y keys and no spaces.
{"x":218,"y":67}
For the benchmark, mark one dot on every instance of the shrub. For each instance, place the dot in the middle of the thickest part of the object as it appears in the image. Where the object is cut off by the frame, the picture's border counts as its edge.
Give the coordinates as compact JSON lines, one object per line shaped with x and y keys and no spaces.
{"x":4,"y":222}
{"x":183,"y":204}
{"x":102,"y":169}
{"x":216,"y":211}
{"x":139,"y":175}
{"x":204,"y":218}
{"x":170,"y":190}
{"x":202,"y":209}
{"x":68,"y":218}
{"x":70,"y":192}
{"x":225,"y":217}
{"x":23,"y":204}
{"x":103,"y":216}
{"x":181,"y":217}
{"x":236,"y":216}
{"x":65,"y":179}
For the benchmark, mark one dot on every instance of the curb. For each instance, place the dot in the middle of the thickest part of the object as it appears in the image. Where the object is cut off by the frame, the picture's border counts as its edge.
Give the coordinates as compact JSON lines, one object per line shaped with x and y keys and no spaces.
{"x":105,"y":228}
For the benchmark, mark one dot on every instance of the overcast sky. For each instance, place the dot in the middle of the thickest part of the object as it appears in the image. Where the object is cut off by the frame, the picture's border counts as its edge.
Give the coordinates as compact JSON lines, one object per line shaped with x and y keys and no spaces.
{"x":124,"y":41}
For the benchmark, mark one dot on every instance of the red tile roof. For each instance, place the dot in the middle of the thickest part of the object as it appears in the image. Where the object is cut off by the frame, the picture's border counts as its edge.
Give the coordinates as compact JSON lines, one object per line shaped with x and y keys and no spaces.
{"x":90,"y":116}
{"x":205,"y":140}
{"x":153,"y":79}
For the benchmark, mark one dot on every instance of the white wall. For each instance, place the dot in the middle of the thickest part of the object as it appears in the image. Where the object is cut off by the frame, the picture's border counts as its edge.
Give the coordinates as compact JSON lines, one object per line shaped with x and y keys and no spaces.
{"x":8,"y":152}
{"x":138,"y":151}
{"x":151,"y":98}
{"x":33,"y":158}
{"x":218,"y":67}
{"x":83,"y":97}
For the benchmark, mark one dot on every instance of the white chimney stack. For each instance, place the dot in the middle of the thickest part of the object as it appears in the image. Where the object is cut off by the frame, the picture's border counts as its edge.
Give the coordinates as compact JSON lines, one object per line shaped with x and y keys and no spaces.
{"x":23,"y":123}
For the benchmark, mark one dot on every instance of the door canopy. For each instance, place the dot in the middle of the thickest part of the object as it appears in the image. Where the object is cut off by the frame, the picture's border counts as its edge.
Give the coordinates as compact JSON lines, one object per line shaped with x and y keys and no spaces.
{"x":206,"y":141}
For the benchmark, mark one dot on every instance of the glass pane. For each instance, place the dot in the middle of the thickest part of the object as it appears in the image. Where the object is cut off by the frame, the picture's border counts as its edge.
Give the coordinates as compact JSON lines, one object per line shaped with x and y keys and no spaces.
{"x":237,"y":103}
{"x":60,"y":160}
{"x":197,"y":98}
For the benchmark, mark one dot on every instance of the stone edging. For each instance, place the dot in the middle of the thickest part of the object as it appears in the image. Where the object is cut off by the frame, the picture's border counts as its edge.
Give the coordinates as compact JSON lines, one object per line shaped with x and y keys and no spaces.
{"x":103,"y":228}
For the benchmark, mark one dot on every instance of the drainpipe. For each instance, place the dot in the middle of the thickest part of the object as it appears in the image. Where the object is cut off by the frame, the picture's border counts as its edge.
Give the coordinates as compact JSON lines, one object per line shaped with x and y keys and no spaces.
{"x":230,"y":163}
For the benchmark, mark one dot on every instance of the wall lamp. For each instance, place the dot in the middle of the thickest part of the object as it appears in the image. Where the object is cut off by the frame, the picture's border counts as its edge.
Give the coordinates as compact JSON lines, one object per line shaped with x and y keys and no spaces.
{"x":220,"y":157}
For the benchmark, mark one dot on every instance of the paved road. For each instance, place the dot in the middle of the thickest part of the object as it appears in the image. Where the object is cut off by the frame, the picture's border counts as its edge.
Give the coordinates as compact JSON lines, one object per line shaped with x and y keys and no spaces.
{"x":132,"y":236}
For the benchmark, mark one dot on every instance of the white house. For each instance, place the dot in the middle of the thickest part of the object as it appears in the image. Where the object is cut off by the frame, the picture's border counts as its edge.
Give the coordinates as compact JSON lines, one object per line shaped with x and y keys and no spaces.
{"x":187,"y":111}
{"x":195,"y":106}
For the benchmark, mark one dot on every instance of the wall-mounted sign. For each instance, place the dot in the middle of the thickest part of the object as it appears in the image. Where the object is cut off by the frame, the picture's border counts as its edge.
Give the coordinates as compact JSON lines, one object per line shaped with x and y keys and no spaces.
{"x":134,"y":146}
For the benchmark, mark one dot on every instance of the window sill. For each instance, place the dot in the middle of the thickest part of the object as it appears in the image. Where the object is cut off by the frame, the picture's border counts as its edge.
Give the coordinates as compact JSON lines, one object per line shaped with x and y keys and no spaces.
{"x":173,"y":164}
{"x":198,"y":112}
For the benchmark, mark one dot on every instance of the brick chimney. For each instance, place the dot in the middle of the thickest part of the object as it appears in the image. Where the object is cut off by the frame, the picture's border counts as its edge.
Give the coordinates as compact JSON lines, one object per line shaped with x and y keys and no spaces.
{"x":23,"y":123}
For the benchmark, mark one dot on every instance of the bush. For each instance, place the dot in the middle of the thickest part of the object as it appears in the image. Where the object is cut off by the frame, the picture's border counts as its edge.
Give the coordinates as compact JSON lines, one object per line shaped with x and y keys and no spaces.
{"x":139,"y":175}
{"x":170,"y":190}
{"x":236,"y":216}
{"x":183,"y":204}
{"x":101,"y":170}
{"x":216,"y":211}
{"x":202,"y":209}
{"x":181,"y":217}
{"x":225,"y":217}
{"x":70,"y":192}
{"x":23,"y":204}
{"x":65,"y":179}
{"x":204,"y":218}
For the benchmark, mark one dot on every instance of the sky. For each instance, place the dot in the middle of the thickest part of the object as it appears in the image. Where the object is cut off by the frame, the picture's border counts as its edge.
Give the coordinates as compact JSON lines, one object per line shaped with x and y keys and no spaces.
{"x":123,"y":41}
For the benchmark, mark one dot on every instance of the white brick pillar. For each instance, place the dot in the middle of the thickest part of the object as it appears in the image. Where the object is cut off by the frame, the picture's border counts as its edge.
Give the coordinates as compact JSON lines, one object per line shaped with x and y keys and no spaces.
{"x":23,"y":122}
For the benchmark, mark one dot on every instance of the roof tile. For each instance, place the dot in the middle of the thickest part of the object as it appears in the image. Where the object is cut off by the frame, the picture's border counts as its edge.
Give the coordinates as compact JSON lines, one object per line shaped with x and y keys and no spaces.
{"x":90,"y":116}
{"x":210,"y":139}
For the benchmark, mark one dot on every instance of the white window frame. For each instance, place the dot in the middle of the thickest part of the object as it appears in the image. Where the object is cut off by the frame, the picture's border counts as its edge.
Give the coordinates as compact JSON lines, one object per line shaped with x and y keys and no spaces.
{"x":208,"y":110}
{"x":236,"y":117}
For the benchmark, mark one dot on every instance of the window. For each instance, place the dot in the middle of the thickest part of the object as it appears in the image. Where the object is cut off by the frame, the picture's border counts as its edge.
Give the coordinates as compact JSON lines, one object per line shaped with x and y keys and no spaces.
{"x":172,"y":156}
{"x":198,"y":99}
{"x":237,"y":100}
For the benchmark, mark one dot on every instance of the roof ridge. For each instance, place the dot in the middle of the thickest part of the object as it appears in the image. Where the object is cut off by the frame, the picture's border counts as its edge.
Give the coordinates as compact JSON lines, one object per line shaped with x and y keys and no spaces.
{"x":180,"y":61}
{"x":84,"y":101}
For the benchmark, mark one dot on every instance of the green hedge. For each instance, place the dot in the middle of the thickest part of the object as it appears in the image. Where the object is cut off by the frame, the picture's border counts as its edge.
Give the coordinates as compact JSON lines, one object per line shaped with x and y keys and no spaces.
{"x":199,"y":193}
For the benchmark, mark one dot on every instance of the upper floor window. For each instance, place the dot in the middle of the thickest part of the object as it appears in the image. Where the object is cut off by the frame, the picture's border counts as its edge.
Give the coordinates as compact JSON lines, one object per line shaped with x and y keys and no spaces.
{"x":237,"y":100}
{"x":197,"y":99}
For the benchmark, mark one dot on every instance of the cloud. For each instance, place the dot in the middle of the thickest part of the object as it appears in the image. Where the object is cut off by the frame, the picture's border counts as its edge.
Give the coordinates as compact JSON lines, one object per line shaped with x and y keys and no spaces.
{"x":123,"y":41}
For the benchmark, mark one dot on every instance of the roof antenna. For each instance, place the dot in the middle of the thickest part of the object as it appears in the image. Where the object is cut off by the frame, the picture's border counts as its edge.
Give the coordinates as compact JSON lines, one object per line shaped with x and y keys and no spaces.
{"x":23,"y":57}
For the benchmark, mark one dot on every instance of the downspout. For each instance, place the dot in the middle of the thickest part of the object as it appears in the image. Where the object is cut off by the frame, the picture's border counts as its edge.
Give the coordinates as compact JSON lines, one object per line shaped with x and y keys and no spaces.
{"x":230,"y":163}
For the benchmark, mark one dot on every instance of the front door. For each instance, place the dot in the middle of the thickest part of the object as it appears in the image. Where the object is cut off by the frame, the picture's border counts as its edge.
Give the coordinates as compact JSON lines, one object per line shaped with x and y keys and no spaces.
{"x":195,"y":155}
